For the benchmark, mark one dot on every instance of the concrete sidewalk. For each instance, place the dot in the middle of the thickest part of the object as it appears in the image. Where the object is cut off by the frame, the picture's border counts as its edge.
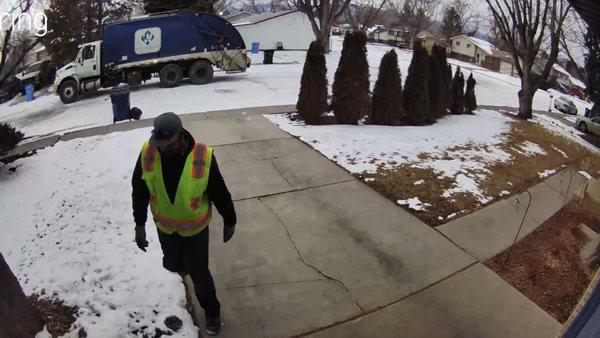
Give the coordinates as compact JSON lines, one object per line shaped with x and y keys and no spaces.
{"x":318,"y":252}
{"x":489,"y":231}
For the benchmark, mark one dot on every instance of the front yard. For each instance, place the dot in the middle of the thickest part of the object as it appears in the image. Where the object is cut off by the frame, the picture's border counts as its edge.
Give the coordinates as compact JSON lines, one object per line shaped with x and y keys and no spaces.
{"x":458,"y":165}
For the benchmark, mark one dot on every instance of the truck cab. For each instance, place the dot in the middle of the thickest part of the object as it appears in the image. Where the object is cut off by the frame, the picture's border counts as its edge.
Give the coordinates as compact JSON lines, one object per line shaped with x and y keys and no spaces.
{"x":81,"y":75}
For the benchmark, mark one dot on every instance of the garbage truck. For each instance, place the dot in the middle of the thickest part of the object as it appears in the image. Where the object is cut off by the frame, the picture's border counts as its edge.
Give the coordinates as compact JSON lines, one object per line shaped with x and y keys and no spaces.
{"x":173,"y":45}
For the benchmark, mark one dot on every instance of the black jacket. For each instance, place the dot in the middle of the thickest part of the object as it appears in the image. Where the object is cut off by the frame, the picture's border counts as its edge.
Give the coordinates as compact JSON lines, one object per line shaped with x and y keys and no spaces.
{"x":172,"y":166}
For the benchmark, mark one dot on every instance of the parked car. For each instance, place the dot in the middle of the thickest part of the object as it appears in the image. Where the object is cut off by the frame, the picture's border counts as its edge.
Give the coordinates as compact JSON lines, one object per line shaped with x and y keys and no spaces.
{"x":565,"y":105}
{"x":39,"y":73}
{"x":10,"y":87}
{"x":589,"y":124}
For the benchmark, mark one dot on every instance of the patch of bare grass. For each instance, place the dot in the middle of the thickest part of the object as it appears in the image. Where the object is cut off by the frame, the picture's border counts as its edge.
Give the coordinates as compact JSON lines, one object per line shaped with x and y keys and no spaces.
{"x":545,"y":265}
{"x":497,"y":180}
{"x":522,"y":170}
{"x":58,"y":316}
{"x":399,"y":183}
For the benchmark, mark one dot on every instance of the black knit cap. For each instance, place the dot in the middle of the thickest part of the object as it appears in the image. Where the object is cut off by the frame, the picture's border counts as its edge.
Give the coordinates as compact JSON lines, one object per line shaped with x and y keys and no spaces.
{"x":166,"y":128}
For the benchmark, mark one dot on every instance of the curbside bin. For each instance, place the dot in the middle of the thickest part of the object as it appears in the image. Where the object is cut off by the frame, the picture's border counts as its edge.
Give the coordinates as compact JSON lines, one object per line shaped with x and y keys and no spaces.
{"x":119,"y":97}
{"x":29,"y":89}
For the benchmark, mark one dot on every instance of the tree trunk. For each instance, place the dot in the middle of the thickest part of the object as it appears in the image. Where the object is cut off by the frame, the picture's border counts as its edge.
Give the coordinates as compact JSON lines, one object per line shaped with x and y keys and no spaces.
{"x":324,"y":36}
{"x":526,"y":102}
{"x":18,"y":318}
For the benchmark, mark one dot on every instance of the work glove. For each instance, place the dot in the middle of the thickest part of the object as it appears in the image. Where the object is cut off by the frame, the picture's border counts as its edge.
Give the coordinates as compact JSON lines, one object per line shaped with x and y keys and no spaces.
{"x":140,"y":238}
{"x":228,"y":231}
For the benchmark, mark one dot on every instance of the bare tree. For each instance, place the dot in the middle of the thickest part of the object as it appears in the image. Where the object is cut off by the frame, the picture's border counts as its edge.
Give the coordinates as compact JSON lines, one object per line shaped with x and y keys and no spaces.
{"x":525,"y":26}
{"x":468,"y":18}
{"x":261,"y":6}
{"x":414,"y":15}
{"x":10,"y":23}
{"x":224,"y":7}
{"x":21,"y":43}
{"x":362,"y":15}
{"x":574,"y":39}
{"x":322,"y":14}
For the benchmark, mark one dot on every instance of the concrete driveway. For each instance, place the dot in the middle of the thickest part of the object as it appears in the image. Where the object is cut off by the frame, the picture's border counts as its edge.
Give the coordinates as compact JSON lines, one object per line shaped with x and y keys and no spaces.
{"x":317,"y":252}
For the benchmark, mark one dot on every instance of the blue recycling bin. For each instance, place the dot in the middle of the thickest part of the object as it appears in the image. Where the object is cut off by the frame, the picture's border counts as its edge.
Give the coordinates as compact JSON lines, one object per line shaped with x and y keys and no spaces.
{"x":255,"y":48}
{"x":29,"y":89}
{"x":119,"y":97}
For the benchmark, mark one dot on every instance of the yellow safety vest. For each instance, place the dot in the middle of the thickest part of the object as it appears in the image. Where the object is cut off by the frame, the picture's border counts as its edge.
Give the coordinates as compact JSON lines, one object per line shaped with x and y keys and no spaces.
{"x":191,"y":211}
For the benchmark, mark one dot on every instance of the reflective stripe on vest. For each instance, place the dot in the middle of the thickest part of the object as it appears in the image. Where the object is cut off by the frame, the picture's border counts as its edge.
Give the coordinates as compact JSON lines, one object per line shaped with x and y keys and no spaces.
{"x":191,"y":211}
{"x":200,"y":151}
{"x":179,"y":225}
{"x":149,"y":158}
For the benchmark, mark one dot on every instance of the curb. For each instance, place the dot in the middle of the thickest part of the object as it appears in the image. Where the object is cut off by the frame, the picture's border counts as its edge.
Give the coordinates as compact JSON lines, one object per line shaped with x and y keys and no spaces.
{"x":51,"y":139}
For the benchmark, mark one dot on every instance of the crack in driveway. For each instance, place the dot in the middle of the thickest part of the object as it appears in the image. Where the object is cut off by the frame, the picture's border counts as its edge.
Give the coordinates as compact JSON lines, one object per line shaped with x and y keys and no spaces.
{"x":333,"y":279}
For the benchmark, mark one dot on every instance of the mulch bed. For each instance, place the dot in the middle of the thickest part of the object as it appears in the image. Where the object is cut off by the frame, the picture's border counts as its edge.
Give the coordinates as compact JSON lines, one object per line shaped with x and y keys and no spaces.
{"x":58,"y":316}
{"x":545,"y":265}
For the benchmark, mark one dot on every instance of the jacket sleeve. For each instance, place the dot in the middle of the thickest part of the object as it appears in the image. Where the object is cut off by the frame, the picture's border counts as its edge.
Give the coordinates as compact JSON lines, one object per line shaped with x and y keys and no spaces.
{"x":219,"y":194}
{"x":140,"y":195}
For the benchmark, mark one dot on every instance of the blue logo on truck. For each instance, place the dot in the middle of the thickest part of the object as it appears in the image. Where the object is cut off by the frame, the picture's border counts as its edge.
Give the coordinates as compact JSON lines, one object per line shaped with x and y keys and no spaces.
{"x":147,"y":37}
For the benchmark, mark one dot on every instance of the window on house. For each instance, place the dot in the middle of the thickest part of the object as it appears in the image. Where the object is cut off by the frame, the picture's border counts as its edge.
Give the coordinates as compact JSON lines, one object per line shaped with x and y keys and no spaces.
{"x":458,"y":43}
{"x":468,"y":45}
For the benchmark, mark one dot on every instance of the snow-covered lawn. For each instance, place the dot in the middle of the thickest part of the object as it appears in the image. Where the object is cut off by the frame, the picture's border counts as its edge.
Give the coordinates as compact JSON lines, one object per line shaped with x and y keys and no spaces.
{"x":457,"y":161}
{"x":366,"y":148}
{"x":261,"y":85}
{"x":67,"y":232}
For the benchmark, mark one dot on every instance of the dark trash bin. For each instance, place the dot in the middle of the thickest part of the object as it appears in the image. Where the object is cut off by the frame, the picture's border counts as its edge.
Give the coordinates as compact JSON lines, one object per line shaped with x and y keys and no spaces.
{"x":268,"y":57}
{"x":119,"y":97}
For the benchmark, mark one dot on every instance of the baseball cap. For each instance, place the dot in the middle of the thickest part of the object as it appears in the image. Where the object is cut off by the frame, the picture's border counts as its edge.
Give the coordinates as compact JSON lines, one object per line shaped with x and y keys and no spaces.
{"x":166,"y":128}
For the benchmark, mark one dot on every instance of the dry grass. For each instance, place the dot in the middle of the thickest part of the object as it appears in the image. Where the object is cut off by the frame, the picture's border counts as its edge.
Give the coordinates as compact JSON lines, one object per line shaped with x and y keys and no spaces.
{"x":58,"y":316}
{"x":399,"y":184}
{"x":545,"y":265}
{"x":522,"y":170}
{"x":514,"y":176}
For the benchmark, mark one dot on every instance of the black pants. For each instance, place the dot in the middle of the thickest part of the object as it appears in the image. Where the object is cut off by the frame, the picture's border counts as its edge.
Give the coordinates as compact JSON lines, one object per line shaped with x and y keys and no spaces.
{"x":190,"y":255}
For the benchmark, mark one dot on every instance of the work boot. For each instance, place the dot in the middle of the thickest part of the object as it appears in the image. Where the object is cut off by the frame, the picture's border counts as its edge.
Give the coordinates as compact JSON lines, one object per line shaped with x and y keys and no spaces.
{"x":213,"y":325}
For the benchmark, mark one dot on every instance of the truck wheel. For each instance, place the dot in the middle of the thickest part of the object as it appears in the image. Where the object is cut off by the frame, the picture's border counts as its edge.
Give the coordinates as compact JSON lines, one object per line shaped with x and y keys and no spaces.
{"x":170,"y":75}
{"x":201,"y":72}
{"x":68,"y":91}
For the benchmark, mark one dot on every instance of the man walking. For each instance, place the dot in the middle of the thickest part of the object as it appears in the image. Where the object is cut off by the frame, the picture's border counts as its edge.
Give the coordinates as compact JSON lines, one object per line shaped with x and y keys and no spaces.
{"x":180,"y":179}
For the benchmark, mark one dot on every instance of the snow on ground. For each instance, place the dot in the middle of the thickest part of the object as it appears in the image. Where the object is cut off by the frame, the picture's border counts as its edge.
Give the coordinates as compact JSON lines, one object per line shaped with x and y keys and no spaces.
{"x":458,"y":147}
{"x":364,"y":149}
{"x":586,"y":175}
{"x":413,"y":203}
{"x":67,"y":230}
{"x":530,"y":149}
{"x":261,"y":85}
{"x":557,"y":126}
{"x":547,"y":173}
{"x":557,"y":149}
